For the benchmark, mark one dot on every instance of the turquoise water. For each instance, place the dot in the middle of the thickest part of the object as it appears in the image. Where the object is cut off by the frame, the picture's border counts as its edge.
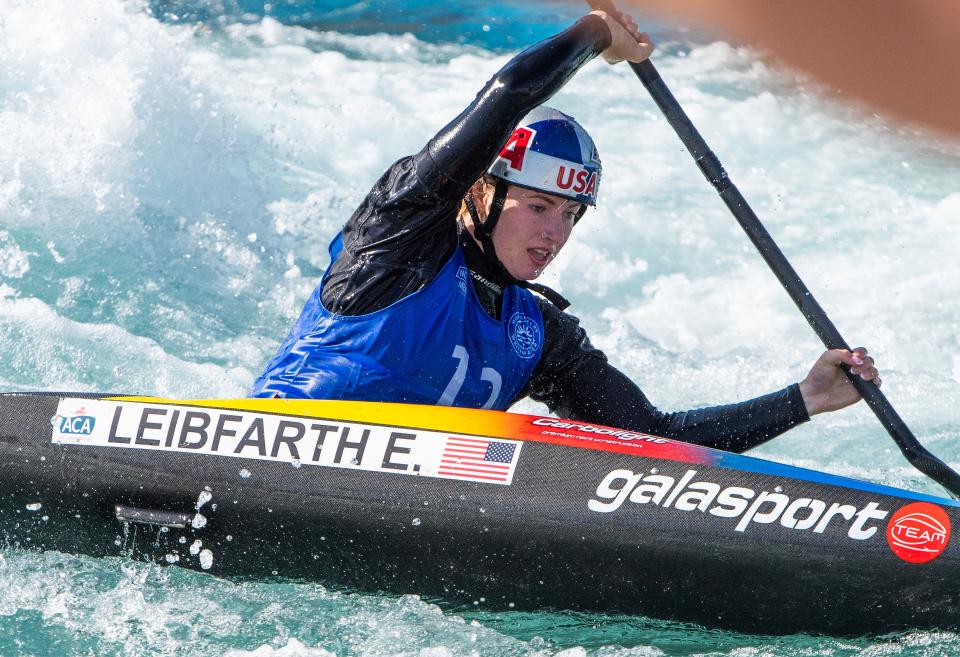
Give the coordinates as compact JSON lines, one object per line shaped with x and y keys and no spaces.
{"x":171,"y":173}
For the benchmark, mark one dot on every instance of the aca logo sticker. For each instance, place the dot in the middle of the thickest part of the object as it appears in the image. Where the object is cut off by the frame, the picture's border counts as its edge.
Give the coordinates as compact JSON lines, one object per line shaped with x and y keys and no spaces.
{"x":80,"y":424}
{"x":919,"y":532}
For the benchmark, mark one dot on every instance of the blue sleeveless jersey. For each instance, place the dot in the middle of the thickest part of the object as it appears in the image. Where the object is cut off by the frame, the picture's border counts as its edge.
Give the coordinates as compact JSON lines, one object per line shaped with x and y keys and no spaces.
{"x":435,"y":346}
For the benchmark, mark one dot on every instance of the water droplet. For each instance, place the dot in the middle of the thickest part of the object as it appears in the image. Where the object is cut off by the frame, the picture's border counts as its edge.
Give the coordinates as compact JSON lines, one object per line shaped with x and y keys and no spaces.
{"x":182,"y":540}
{"x":56,"y":420}
{"x":206,"y":559}
{"x":195,"y":547}
{"x":34,"y":506}
{"x":245,"y":474}
{"x":45,"y":518}
{"x":172,"y":558}
{"x":778,"y":489}
{"x":213,"y":507}
{"x":198,"y":522}
{"x":117,"y":371}
{"x":229,"y":537}
{"x":204,"y":497}
{"x":415,"y":522}
{"x":295,"y":463}
{"x":354,"y":461}
{"x":654,"y":470}
{"x":511,"y":604}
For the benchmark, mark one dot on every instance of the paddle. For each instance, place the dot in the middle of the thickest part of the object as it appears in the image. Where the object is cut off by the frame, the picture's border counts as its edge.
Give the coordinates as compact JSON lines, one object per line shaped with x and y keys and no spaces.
{"x":711,"y":167}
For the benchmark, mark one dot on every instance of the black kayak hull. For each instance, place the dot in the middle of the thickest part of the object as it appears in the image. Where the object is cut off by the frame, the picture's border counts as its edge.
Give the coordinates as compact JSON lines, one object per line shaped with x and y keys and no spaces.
{"x":571,"y":517}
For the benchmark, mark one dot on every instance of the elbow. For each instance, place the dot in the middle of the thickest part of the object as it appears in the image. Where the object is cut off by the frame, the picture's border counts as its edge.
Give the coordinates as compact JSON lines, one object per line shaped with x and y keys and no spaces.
{"x":515,"y":86}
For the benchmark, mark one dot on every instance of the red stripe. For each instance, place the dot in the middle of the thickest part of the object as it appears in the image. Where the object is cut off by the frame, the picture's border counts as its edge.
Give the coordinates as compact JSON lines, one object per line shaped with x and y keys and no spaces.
{"x":480,"y":462}
{"x":462,"y":450}
{"x":467,"y":472}
{"x":480,"y":467}
{"x":472,"y":476}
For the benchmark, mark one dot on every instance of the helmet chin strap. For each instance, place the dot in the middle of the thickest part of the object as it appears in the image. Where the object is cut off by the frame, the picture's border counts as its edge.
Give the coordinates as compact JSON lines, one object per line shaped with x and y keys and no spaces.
{"x":484,"y":232}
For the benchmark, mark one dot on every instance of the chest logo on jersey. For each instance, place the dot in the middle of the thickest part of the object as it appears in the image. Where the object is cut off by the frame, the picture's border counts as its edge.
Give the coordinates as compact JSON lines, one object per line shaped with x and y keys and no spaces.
{"x":463,"y":276}
{"x":524,"y":335}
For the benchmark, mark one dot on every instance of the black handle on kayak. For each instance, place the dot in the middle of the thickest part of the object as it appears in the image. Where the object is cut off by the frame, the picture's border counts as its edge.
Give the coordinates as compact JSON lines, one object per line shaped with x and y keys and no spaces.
{"x":711,"y":167}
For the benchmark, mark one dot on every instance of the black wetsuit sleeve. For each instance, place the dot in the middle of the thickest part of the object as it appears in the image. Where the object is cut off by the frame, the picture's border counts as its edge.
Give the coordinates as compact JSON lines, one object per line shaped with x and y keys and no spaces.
{"x":574,"y":380}
{"x":405,"y":229}
{"x":460,"y":153}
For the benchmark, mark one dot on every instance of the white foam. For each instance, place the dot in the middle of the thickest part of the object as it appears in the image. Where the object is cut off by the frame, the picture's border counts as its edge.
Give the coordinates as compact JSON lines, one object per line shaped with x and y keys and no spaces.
{"x":47,"y":351}
{"x":14,"y":261}
{"x":292,"y":648}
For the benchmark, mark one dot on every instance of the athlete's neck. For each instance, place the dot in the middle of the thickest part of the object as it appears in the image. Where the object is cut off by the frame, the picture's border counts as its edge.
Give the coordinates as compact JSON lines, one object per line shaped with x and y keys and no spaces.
{"x":487,"y":282}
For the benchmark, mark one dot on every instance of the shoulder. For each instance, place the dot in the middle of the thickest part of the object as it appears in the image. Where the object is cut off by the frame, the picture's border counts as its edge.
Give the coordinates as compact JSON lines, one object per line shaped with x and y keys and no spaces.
{"x":564,"y":337}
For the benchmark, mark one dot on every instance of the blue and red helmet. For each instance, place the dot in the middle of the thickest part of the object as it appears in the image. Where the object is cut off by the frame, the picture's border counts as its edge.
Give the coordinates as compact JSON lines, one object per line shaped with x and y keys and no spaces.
{"x":550,"y":152}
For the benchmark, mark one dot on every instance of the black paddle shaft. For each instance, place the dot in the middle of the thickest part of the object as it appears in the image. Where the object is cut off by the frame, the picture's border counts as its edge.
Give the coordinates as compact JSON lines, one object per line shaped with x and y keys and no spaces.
{"x":711,"y":167}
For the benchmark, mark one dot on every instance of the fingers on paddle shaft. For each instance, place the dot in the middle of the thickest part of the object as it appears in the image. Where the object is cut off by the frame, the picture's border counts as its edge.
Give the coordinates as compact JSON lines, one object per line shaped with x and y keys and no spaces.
{"x":627,"y":42}
{"x":624,"y":19}
{"x":863,"y":365}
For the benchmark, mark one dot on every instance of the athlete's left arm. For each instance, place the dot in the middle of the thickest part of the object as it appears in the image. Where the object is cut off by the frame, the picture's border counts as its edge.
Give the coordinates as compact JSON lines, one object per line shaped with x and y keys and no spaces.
{"x":574,"y":379}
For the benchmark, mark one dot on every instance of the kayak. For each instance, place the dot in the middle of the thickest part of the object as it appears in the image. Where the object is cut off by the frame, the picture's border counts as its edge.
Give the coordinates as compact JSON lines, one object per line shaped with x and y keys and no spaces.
{"x":482,"y":508}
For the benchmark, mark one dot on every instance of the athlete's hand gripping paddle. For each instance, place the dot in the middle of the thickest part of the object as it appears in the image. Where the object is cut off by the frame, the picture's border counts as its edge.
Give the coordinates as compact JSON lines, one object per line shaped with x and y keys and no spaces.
{"x":711,"y":167}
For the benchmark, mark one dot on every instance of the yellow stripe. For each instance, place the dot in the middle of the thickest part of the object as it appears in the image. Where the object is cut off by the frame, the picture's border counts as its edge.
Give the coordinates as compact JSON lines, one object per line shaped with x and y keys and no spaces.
{"x":436,"y":418}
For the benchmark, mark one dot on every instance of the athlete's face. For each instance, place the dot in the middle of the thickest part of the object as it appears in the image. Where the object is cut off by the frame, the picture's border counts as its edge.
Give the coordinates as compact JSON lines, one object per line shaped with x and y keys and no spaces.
{"x":533,"y":227}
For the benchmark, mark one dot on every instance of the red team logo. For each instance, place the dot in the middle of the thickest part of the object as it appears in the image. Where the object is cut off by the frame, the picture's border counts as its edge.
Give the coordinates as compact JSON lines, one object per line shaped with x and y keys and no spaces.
{"x":919,"y":532}
{"x":516,"y":147}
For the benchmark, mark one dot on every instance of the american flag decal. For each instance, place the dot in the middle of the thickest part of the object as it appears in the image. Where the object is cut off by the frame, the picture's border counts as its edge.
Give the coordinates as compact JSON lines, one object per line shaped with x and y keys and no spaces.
{"x":478,"y":459}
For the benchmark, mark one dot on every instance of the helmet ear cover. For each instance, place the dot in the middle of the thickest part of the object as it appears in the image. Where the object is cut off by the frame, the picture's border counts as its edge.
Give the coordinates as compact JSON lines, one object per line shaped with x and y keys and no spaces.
{"x":484,"y":229}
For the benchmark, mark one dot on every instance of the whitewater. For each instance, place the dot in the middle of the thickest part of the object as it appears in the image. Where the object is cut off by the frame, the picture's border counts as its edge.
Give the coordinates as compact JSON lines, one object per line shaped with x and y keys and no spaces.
{"x":169,"y":185}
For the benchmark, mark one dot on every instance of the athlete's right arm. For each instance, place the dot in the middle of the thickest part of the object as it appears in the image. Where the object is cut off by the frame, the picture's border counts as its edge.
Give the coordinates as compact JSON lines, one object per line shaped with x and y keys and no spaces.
{"x":404,"y":230}
{"x":463,"y":149}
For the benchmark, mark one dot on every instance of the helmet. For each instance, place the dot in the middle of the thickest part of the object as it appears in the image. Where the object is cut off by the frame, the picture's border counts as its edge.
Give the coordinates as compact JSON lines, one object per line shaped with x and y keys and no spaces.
{"x":550,"y":152}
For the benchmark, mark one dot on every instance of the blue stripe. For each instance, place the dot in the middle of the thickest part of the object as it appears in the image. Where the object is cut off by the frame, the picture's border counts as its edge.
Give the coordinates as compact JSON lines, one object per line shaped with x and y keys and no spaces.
{"x":760,"y":466}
